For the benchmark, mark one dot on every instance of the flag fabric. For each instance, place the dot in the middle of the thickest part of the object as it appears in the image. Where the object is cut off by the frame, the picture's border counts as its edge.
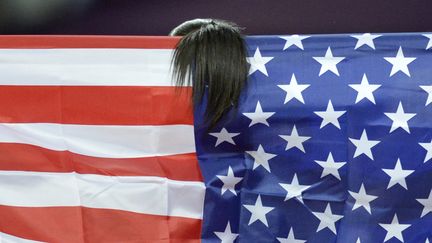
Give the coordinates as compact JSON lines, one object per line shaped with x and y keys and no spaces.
{"x":331,"y":142}
{"x":95,"y":143}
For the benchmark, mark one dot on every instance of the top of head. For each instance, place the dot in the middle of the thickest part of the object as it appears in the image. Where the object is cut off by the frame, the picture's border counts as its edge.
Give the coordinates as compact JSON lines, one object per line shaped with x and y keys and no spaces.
{"x":197,"y":24}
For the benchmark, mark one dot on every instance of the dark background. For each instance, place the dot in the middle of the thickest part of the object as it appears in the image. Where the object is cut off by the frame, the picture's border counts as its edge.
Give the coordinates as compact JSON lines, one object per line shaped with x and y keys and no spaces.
{"x":158,"y":17}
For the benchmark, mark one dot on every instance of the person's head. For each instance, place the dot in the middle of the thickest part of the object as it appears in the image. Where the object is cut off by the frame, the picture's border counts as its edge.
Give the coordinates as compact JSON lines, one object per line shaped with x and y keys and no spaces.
{"x":211,"y":53}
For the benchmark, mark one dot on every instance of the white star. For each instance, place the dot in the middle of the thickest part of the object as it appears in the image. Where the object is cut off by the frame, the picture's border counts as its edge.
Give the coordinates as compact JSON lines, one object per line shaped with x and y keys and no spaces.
{"x":295,"y":40}
{"x":428,"y":89}
{"x":427,"y":240}
{"x":428,"y":147}
{"x":294,"y":140}
{"x":330,"y":116}
{"x":365,"y":39}
{"x":362,"y":199}
{"x":290,"y":239}
{"x":365,"y":90}
{"x":330,"y":167}
{"x":327,"y":219}
{"x":294,"y":190}
{"x":400,"y":118}
{"x":363,"y":145}
{"x":427,"y":204}
{"x":400,"y":62}
{"x":261,"y":158}
{"x":429,"y":45}
{"x":358,"y":240}
{"x":258,"y":116}
{"x":394,"y":229}
{"x":258,"y":62}
{"x":224,"y":136}
{"x":258,"y":212}
{"x":398,"y":175}
{"x":227,"y":236}
{"x":329,"y":62}
{"x":229,"y":181}
{"x":293,"y":90}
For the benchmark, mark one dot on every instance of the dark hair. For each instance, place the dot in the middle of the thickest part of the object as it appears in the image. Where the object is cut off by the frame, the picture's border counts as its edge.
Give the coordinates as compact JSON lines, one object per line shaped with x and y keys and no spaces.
{"x":212,"y":53}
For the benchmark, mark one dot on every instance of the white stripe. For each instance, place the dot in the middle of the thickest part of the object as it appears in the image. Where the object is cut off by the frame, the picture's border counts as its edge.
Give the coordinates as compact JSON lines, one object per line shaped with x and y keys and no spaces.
{"x":106,"y":141}
{"x":5,"y":238}
{"x":140,"y":194}
{"x":111,"y":67}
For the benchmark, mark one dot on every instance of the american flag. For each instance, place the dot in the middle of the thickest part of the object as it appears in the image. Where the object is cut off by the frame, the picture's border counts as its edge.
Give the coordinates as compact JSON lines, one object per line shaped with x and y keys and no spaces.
{"x":332,"y":142}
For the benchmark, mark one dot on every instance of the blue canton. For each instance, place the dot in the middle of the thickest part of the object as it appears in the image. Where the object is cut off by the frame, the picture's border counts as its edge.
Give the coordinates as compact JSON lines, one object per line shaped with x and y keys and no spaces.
{"x":332,"y":142}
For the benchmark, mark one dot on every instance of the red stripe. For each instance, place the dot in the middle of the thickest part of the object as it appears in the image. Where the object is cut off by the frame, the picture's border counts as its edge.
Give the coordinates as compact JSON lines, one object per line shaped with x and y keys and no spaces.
{"x":64,"y":41}
{"x":80,"y":224}
{"x":96,"y":105}
{"x":23,"y":157}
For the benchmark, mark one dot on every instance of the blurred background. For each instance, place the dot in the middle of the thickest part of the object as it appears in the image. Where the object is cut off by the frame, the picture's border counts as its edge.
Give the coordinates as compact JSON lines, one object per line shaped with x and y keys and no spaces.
{"x":260,"y":17}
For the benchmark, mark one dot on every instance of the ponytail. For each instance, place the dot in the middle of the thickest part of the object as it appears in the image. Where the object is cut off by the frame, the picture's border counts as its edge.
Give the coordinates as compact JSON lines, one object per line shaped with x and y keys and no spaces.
{"x":211,"y":54}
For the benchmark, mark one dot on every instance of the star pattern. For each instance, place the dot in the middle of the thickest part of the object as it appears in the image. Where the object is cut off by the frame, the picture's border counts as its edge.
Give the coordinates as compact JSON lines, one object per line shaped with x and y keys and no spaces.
{"x":227,"y":236}
{"x":364,"y":145}
{"x":224,"y":136}
{"x":394,"y":229}
{"x":329,"y":62}
{"x":330,"y":116}
{"x":398,"y":175}
{"x":294,"y":190}
{"x":258,"y":117}
{"x":362,"y":199}
{"x":345,"y":133}
{"x":365,"y":39}
{"x":229,"y":181}
{"x":327,"y":219}
{"x":258,"y":62}
{"x":428,"y":147}
{"x":400,"y":118}
{"x":400,"y":63}
{"x":294,"y":90}
{"x":294,"y":40}
{"x":295,"y":140}
{"x":365,"y":90}
{"x":330,"y":167}
{"x":258,"y":212}
{"x":261,"y":158}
